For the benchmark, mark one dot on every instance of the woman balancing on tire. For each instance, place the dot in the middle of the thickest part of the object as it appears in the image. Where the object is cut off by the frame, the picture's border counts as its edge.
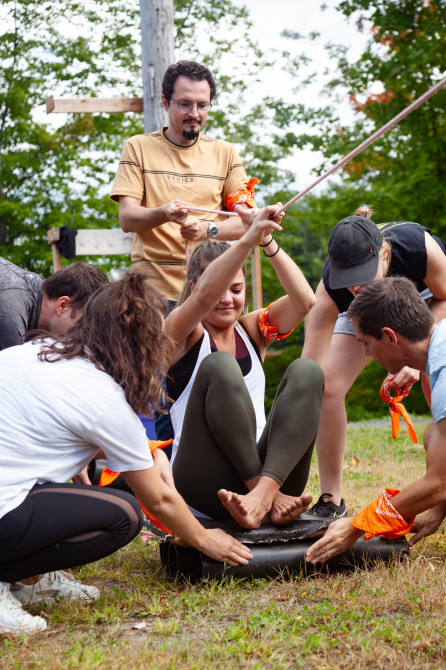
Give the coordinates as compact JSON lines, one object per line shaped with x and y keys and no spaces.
{"x":62,"y":401}
{"x":228,"y":460}
{"x":359,"y":252}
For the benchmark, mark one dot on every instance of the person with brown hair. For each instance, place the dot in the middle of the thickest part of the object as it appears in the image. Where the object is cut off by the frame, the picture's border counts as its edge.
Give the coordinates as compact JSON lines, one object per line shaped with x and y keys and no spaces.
{"x":28,"y":302}
{"x":81,"y":393}
{"x":359,"y":252}
{"x":394,"y":325}
{"x":228,"y":460}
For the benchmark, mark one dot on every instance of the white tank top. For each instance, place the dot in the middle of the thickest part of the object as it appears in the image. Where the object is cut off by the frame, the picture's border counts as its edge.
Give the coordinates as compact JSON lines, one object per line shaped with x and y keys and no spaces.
{"x":254,"y":380}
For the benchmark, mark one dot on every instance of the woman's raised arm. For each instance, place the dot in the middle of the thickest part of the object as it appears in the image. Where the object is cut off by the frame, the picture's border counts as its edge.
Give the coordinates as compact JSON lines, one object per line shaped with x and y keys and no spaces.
{"x":219,"y":274}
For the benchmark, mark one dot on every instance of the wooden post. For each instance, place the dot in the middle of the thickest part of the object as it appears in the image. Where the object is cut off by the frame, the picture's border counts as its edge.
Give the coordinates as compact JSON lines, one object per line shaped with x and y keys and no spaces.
{"x":256,"y":271}
{"x":157,"y":53}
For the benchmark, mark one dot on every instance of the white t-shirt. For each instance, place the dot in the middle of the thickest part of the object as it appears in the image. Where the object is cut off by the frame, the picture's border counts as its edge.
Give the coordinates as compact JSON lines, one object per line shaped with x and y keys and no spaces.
{"x":53,"y":419}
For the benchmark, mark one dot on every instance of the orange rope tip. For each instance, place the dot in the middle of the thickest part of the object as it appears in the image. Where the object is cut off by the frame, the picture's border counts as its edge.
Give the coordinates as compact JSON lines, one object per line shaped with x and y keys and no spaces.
{"x":109,"y":476}
{"x":396,"y":407}
{"x":246,"y":196}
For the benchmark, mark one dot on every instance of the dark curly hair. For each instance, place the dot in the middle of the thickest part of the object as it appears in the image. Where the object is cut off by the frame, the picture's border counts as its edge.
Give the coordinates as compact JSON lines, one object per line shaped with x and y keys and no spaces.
{"x":121,"y":332}
{"x":189,"y":69}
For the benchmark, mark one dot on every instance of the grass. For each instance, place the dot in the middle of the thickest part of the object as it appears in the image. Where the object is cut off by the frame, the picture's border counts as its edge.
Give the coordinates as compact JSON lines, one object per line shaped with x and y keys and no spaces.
{"x":381,"y":617}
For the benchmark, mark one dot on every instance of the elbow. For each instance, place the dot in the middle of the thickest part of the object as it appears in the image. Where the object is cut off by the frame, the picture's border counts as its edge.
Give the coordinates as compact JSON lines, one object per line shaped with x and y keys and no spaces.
{"x":125,"y":224}
{"x":309,"y":302}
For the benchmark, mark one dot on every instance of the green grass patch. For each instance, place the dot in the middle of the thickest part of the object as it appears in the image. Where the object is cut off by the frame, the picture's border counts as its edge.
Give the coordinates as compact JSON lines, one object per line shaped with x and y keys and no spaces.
{"x":380,"y":617}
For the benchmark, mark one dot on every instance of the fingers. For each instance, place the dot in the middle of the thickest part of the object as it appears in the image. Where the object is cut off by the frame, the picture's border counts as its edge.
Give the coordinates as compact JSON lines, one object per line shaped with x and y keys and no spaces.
{"x":404,"y":377}
{"x":416,"y":538}
{"x":272,"y":212}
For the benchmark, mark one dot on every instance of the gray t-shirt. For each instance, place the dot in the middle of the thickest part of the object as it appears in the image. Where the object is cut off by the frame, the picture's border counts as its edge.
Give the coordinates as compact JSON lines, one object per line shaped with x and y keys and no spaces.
{"x":20,"y":302}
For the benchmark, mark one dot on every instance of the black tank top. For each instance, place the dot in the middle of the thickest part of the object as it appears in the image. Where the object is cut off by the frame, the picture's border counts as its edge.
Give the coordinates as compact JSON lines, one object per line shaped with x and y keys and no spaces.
{"x":181,"y":371}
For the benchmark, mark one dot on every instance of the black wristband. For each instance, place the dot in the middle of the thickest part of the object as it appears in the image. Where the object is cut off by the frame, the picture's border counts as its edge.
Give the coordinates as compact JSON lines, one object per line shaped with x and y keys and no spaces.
{"x":267,"y":244}
{"x":276,"y":252}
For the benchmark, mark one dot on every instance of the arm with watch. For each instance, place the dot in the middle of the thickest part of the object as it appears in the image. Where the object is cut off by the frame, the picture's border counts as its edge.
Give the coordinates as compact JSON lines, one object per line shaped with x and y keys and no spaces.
{"x":200,"y":229}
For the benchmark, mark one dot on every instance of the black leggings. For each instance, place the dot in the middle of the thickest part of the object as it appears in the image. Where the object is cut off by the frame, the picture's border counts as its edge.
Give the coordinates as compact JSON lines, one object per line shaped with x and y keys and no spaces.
{"x":61,"y":526}
{"x":218,"y":446}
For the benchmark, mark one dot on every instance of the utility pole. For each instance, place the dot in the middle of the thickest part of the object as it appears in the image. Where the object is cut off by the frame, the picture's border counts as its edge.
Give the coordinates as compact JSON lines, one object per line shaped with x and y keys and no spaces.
{"x":157,"y":53}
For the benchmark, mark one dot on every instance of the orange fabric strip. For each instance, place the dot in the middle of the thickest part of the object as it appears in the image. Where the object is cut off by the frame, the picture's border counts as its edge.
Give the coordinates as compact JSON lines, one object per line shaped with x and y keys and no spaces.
{"x":269,"y":332}
{"x":108,"y":476}
{"x":381,"y":518}
{"x":238,"y":197}
{"x":397,"y":409}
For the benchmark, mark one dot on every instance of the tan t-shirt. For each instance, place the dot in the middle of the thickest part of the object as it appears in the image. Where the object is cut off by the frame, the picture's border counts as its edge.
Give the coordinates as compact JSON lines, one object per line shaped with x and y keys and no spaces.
{"x":156,"y":171}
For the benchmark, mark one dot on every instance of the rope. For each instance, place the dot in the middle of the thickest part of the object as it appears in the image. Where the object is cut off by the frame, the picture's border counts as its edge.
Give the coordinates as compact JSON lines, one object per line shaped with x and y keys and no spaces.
{"x":399,"y":117}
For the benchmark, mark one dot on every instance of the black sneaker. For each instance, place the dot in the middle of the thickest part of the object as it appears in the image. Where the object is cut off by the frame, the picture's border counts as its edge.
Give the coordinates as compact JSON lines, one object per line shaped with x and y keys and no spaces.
{"x":327,"y":509}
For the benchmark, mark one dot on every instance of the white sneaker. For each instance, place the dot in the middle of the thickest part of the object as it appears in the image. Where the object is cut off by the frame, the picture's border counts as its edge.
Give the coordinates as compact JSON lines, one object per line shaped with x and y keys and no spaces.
{"x":13,"y":618}
{"x":54,"y":585}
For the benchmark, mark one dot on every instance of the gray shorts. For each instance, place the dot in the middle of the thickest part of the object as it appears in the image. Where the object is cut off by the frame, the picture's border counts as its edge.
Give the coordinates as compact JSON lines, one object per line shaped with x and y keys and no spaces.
{"x":344,"y":325}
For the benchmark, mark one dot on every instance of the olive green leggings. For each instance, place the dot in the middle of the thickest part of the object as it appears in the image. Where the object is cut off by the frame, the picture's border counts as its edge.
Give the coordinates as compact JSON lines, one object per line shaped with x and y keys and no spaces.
{"x":218,"y":447}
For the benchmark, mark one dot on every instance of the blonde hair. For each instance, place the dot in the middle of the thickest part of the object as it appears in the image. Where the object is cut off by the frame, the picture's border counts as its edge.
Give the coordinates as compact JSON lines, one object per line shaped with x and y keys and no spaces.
{"x":367,"y":212}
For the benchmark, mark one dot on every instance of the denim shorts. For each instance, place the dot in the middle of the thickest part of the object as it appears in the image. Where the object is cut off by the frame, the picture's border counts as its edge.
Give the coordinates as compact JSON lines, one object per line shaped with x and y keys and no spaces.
{"x":344,"y":325}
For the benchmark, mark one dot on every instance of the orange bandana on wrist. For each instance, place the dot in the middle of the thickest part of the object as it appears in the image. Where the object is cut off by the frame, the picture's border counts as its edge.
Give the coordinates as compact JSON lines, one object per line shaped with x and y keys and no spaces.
{"x":381,"y":518}
{"x":239,"y":197}
{"x":269,"y":332}
{"x":396,"y":408}
{"x":108,"y":476}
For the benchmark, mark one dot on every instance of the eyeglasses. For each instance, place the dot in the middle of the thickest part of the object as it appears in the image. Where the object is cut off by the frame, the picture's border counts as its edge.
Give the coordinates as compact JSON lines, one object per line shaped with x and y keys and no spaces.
{"x":186,"y":107}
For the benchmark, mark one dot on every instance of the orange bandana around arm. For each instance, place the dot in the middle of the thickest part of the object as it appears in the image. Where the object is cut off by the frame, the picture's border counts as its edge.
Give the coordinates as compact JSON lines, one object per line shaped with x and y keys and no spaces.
{"x":108,"y":476}
{"x":380,"y":518}
{"x":396,"y":408}
{"x":269,"y":332}
{"x":239,"y":197}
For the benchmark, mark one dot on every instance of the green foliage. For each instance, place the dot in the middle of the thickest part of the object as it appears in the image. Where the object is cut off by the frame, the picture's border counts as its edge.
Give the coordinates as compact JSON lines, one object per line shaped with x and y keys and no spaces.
{"x":52,"y":174}
{"x":402,"y":173}
{"x":50,"y":177}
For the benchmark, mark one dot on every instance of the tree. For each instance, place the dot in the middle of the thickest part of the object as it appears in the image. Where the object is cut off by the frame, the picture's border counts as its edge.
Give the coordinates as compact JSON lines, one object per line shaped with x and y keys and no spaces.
{"x":401,"y":174}
{"x":52,"y":174}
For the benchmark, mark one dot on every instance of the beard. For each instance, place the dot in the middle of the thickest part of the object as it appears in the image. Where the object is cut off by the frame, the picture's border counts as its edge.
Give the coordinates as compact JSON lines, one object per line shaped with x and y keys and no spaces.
{"x":191,"y":134}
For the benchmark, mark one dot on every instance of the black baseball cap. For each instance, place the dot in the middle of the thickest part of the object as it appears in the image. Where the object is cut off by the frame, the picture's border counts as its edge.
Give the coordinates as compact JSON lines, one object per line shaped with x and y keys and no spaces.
{"x":354,"y":246}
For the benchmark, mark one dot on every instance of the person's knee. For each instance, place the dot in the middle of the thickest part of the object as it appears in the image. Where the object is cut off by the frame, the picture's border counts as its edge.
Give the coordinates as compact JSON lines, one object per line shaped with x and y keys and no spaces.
{"x":220,"y":367}
{"x":306,"y":374}
{"x":129,"y":509}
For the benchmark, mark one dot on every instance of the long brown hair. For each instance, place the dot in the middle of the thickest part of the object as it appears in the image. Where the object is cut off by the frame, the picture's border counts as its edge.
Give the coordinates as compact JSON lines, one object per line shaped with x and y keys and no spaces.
{"x":121,"y":332}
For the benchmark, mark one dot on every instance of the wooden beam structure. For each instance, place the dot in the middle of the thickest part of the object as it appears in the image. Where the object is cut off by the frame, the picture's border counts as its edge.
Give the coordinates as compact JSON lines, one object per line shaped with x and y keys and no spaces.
{"x":93,"y":242}
{"x":90,"y":105}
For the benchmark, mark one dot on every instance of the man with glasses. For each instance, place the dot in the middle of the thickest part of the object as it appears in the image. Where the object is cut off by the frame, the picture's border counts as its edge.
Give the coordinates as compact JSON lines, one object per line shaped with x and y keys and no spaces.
{"x":163,"y":173}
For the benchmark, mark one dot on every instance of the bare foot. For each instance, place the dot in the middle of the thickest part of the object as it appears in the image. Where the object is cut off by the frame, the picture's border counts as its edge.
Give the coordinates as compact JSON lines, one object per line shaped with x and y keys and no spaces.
{"x":287,"y":508}
{"x":248,"y":510}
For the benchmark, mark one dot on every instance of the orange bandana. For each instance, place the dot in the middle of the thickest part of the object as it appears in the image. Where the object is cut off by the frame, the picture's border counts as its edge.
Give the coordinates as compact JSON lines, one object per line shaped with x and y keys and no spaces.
{"x":269,"y":332}
{"x":108,"y":476}
{"x":396,"y":408}
{"x":381,"y":518}
{"x":238,"y":197}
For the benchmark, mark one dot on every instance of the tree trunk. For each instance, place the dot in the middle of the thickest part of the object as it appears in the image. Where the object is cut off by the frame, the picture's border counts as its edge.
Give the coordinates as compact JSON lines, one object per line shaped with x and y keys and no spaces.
{"x":157,"y":47}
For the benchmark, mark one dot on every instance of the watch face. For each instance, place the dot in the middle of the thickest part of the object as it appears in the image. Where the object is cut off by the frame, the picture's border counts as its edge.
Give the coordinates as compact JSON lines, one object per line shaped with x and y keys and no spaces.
{"x":212,"y":230}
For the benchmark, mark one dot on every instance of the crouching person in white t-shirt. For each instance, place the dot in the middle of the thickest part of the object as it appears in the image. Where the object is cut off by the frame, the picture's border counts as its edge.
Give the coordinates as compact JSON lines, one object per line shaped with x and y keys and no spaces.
{"x":62,"y":401}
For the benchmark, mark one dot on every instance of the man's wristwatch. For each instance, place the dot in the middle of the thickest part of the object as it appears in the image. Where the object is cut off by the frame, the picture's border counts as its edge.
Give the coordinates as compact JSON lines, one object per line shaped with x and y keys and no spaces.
{"x":212,"y":229}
